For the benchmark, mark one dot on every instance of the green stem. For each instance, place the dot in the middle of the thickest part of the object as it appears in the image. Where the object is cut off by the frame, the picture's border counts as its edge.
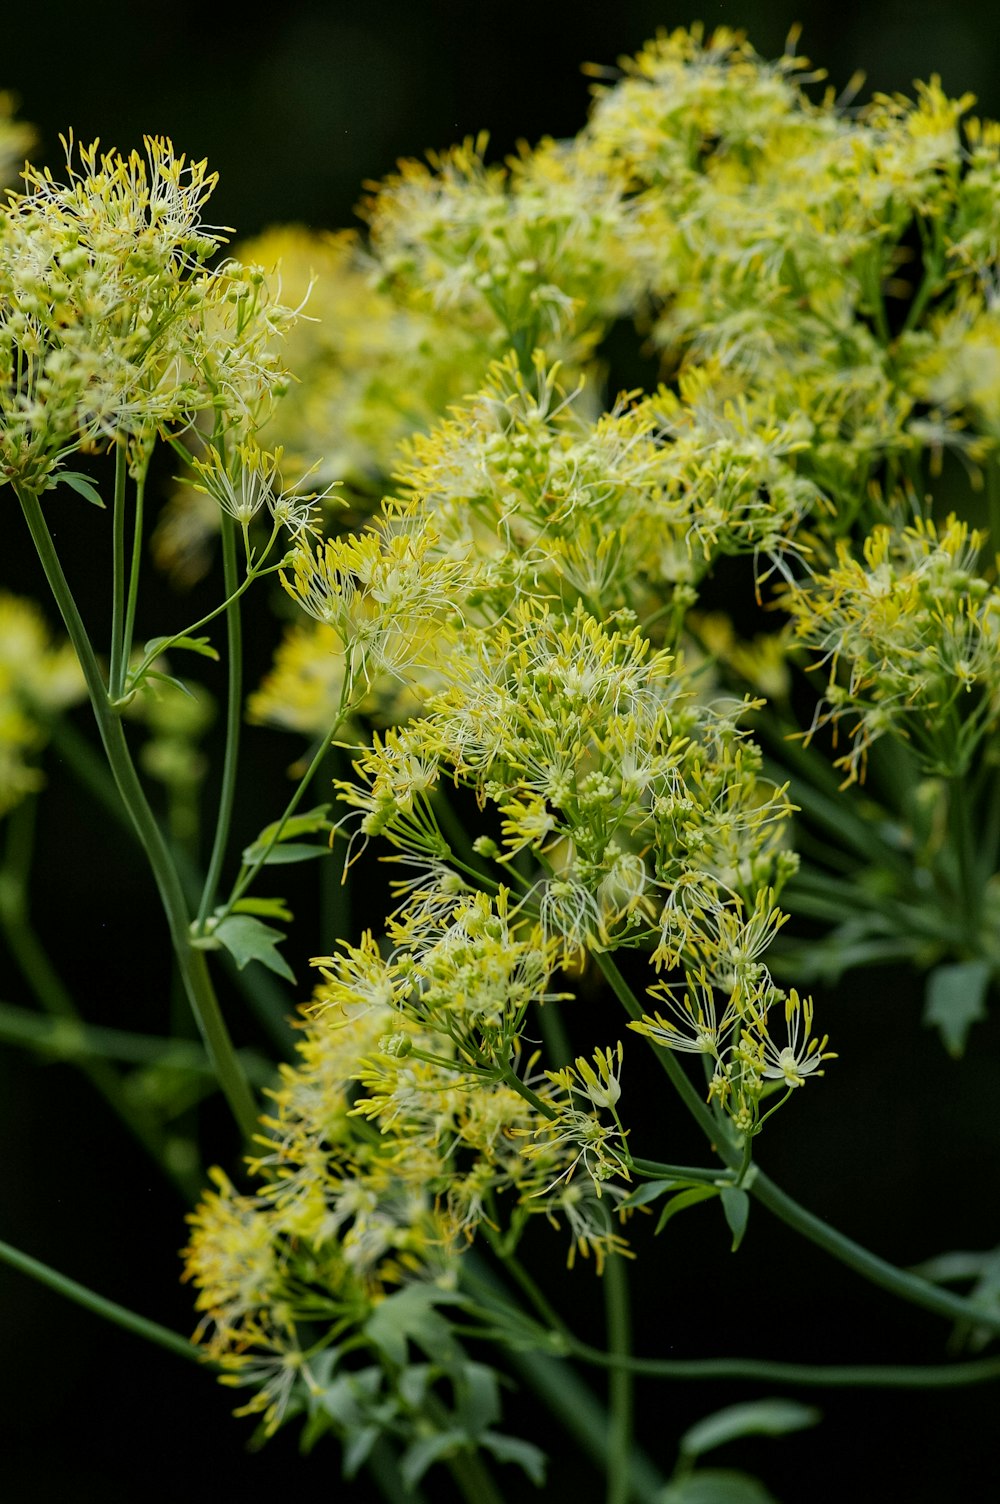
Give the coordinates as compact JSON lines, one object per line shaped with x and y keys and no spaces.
{"x":654,"y":1168}
{"x":384,"y":1468}
{"x":517,"y":1271}
{"x":963,"y":844}
{"x":116,"y":672}
{"x":166,"y":643}
{"x":807,"y":1375}
{"x":133,"y":580}
{"x":68,"y":1038}
{"x":879,"y":1271}
{"x":191,"y":962}
{"x":91,"y":1301}
{"x":616,"y":1305}
{"x":248,"y":874}
{"x":262,"y":992}
{"x":754,"y":1370}
{"x":474,"y":1482}
{"x":234,"y":721}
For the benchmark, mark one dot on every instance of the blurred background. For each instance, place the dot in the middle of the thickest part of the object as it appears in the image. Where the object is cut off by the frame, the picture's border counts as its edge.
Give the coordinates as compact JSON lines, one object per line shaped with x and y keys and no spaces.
{"x":295,"y":108}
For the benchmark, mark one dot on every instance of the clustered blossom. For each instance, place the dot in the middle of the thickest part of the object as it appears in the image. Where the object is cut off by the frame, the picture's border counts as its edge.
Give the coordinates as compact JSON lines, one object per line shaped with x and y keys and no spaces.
{"x":391,"y":1140}
{"x":518,"y":618}
{"x":111,"y":327}
{"x":910,"y":638}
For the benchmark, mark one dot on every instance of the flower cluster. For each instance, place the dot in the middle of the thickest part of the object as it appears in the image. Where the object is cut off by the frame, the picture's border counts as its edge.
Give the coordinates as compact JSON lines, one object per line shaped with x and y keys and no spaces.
{"x":914,"y":629}
{"x":110,"y":325}
{"x":410,"y":1119}
{"x":556,"y":772}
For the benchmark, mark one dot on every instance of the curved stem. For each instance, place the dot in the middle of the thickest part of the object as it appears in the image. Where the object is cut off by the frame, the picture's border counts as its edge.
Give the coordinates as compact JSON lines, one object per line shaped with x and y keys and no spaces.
{"x":879,"y":1271}
{"x":808,"y":1375}
{"x":91,"y":1301}
{"x":763,"y":1370}
{"x":247,"y":876}
{"x":191,"y":963}
{"x":234,"y":720}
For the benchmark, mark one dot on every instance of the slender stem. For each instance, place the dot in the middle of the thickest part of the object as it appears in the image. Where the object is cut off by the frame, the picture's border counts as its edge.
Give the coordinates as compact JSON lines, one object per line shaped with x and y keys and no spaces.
{"x":133,"y":580}
{"x":261,"y":991}
{"x":879,"y":1271}
{"x":247,"y":876}
{"x":616,"y":1305}
{"x":91,"y":1301}
{"x":68,"y":1038}
{"x":516,"y":1269}
{"x":474,"y":1482}
{"x":385,"y":1470}
{"x":963,"y":841}
{"x":191,"y":962}
{"x":908,"y":1286}
{"x":654,"y":1168}
{"x":117,"y":673}
{"x":762,"y":1370}
{"x":234,"y":720}
{"x":698,"y":1109}
{"x":808,"y":1375}
{"x":554,"y":1035}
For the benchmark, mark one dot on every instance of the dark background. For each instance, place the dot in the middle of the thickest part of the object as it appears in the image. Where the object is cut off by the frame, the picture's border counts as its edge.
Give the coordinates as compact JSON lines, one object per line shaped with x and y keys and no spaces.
{"x":896,"y":1146}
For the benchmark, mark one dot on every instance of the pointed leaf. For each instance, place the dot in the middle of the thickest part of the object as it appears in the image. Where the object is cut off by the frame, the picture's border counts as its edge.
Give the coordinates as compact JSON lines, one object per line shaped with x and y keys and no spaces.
{"x":477,"y":1399}
{"x":954,"y":1001}
{"x":736,"y":1205}
{"x":82,"y":485}
{"x":307,"y":824}
{"x":200,"y":645}
{"x":153,"y":673}
{"x":651,"y":1191}
{"x":266,"y":908}
{"x":249,"y":939}
{"x":409,"y":1315}
{"x":772,"y":1417}
{"x":716,"y":1486}
{"x":420,"y":1454}
{"x":281,"y":855}
{"x":513,"y":1449}
{"x":683,"y":1200}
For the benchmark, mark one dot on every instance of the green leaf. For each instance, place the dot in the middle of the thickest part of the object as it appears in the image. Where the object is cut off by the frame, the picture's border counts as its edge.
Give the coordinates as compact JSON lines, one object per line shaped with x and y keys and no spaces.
{"x":682,"y":1201}
{"x":248,"y":939}
{"x":153,"y":673}
{"x":281,"y":855}
{"x":477,"y":1398}
{"x":773,"y":1417}
{"x":201,"y":645}
{"x":954,"y":1001}
{"x":513,"y":1449}
{"x":266,"y":908}
{"x":419,"y":1455}
{"x":716,"y":1486}
{"x":307,"y":824}
{"x":82,"y":485}
{"x":409,"y":1315}
{"x":736,"y":1205}
{"x":651,"y":1191}
{"x":357,"y":1449}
